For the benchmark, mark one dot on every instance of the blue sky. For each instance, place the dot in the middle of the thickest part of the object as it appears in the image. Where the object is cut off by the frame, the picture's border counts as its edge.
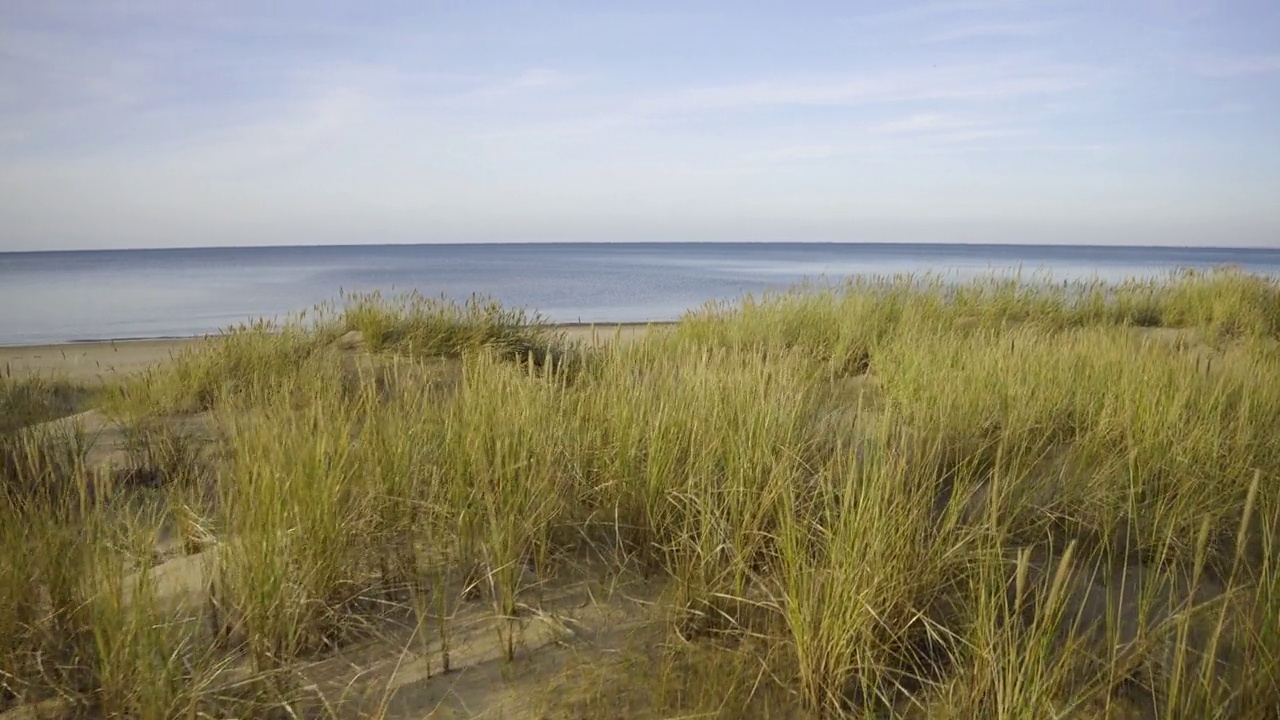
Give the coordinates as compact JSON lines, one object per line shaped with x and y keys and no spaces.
{"x":162,"y":123}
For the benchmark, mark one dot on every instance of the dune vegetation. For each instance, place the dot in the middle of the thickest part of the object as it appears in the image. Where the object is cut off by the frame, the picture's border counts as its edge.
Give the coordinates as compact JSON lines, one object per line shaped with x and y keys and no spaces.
{"x":895,"y":498}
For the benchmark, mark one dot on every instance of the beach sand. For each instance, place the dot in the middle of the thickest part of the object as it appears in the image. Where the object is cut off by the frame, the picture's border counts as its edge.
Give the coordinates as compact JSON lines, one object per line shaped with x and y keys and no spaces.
{"x":89,"y":362}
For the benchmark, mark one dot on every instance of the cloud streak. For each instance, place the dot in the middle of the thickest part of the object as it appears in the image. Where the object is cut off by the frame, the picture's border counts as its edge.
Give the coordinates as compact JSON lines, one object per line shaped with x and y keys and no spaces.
{"x":1236,"y":66}
{"x":513,"y":88}
{"x":924,"y":84}
{"x":926,"y":11}
{"x":987,"y":31}
{"x":923,"y":123}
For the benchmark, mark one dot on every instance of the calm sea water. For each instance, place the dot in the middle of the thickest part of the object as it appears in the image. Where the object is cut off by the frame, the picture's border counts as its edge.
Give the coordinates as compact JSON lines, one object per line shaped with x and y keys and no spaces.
{"x":66,"y":296}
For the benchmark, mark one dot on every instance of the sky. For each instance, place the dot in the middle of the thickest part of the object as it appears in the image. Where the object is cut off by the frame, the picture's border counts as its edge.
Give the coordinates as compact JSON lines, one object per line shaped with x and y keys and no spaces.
{"x":172,"y":123}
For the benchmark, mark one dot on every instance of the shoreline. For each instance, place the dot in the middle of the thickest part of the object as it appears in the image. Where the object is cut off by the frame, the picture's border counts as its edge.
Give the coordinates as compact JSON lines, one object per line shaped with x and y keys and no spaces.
{"x":98,"y":360}
{"x":571,"y":326}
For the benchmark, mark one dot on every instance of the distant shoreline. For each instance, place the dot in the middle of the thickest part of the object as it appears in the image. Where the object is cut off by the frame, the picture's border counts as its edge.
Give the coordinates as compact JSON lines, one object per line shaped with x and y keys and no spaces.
{"x":97,"y":360}
{"x":913,"y":244}
{"x":572,"y":326}
{"x":148,"y":338}
{"x":150,"y":295}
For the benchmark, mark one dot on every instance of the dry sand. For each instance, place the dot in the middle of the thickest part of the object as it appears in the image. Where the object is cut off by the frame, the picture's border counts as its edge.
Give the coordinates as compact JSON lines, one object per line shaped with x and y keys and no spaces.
{"x":89,"y":361}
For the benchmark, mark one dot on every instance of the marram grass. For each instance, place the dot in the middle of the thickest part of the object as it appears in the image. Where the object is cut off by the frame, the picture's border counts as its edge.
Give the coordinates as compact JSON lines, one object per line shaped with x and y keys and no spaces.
{"x":896,"y":498}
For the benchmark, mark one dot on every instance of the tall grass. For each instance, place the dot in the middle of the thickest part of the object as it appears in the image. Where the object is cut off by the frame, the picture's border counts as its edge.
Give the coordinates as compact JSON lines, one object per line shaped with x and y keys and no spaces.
{"x":31,"y":399}
{"x":417,"y":325}
{"x":250,"y":356}
{"x":897,"y":498}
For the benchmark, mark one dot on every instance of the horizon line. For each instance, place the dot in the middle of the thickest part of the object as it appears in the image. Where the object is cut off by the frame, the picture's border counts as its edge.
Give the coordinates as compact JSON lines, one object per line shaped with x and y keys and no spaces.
{"x":500,"y":243}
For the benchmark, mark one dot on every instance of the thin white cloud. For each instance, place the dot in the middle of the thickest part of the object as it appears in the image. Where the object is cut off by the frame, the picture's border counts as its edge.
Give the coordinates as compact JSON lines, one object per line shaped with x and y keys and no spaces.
{"x":915,"y":13}
{"x":48,"y":69}
{"x":12,"y":137}
{"x":1033,"y":147}
{"x":564,"y":127}
{"x":987,"y":31}
{"x":292,"y":132}
{"x":541,"y":77}
{"x":961,"y":83}
{"x":1232,"y":108}
{"x":922,"y":122}
{"x":1235,"y":66}
{"x":531,"y":80}
{"x":917,"y":134}
{"x":966,"y":137}
{"x":947,"y":130}
{"x":806,"y":152}
{"x":945,"y":87}
{"x":954,"y":90}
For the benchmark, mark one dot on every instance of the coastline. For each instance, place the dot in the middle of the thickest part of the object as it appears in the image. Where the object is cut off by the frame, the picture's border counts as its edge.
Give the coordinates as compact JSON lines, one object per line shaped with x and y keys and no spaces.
{"x":98,"y":360}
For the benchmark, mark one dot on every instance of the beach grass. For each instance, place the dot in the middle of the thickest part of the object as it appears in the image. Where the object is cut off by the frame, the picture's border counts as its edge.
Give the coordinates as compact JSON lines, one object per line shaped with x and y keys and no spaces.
{"x":901,"y":497}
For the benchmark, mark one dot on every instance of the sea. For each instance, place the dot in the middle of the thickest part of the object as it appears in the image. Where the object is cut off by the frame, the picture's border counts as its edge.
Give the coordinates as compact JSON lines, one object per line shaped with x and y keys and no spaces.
{"x":57,"y":297}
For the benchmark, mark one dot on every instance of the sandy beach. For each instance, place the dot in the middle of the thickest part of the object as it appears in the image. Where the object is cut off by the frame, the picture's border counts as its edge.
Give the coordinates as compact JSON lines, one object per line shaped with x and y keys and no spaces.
{"x":90,"y":361}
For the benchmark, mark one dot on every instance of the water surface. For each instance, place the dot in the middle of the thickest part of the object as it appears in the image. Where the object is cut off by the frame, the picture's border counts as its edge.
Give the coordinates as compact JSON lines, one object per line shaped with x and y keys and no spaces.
{"x":65,"y":296}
